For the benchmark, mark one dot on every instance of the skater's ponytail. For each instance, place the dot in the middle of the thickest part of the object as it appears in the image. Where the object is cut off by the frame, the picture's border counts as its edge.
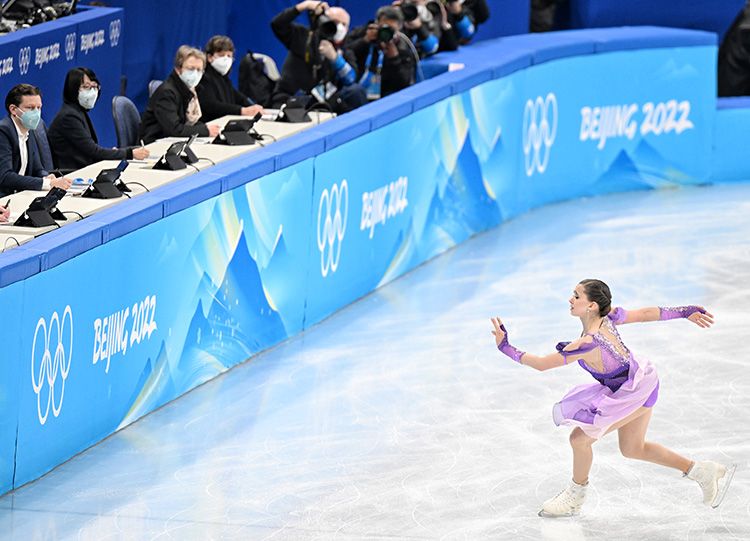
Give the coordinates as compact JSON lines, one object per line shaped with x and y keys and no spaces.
{"x":598,"y":292}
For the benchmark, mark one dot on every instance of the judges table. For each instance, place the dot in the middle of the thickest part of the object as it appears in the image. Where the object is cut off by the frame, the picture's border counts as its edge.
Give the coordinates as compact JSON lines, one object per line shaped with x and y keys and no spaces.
{"x":141,"y":177}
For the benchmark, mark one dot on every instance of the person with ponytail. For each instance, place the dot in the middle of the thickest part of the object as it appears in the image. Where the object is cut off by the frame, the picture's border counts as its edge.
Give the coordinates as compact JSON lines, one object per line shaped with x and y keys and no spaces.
{"x":72,"y":136}
{"x":621,"y":398}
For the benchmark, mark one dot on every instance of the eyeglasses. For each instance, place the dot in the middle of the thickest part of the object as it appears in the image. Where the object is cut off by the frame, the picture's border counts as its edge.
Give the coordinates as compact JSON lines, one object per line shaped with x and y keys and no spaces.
{"x":89,"y":86}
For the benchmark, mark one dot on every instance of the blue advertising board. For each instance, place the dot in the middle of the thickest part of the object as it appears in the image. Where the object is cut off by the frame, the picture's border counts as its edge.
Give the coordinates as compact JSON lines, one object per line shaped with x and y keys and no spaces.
{"x":227,"y":280}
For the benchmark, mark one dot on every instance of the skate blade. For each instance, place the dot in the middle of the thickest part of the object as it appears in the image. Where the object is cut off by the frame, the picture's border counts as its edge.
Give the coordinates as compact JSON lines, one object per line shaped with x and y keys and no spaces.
{"x":725,"y":485}
{"x":545,"y":514}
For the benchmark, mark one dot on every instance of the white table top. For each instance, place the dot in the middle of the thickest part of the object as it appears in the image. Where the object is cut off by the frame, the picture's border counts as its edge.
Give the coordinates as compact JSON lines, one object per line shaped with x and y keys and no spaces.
{"x":143,"y":173}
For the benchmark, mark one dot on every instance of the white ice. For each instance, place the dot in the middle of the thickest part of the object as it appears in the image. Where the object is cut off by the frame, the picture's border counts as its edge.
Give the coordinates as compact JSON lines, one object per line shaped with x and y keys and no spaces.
{"x":398,"y":419}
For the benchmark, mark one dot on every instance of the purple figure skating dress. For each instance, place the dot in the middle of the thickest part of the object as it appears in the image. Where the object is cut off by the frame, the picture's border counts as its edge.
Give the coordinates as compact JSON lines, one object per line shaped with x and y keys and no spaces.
{"x":624,"y":384}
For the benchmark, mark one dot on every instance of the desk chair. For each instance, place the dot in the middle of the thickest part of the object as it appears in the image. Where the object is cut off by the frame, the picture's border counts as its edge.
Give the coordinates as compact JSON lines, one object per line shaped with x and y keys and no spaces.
{"x":153,"y":85}
{"x":127,"y":121}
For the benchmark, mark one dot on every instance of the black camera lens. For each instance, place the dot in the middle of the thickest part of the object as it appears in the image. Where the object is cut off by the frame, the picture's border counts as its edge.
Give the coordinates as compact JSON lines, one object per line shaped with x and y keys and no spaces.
{"x":325,"y":27}
{"x":410,"y":11}
{"x":385,"y":33}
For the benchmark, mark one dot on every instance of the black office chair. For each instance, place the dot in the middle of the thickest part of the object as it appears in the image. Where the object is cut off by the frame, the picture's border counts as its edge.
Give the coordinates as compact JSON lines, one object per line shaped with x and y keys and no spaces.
{"x":127,"y":121}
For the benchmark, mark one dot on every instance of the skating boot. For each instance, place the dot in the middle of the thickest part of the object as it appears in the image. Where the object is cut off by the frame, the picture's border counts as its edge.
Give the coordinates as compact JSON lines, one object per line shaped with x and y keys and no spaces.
{"x":713,"y":478}
{"x":566,"y":504}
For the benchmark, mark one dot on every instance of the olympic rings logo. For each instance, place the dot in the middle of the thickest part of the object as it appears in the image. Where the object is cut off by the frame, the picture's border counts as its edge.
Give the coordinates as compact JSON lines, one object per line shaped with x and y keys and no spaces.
{"x":70,"y":46}
{"x":332,"y":226}
{"x":539,"y":131}
{"x":24,"y":60}
{"x":51,"y":354}
{"x":115,"y":28}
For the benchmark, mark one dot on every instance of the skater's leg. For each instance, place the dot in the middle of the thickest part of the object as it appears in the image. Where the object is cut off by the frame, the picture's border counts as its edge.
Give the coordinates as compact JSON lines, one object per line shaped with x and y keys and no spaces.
{"x":583,"y":455}
{"x":633,"y":444}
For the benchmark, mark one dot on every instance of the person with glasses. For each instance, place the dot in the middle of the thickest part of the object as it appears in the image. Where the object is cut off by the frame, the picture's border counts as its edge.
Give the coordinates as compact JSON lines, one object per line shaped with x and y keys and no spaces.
{"x":20,"y":162}
{"x":174,"y":109}
{"x":72,"y":136}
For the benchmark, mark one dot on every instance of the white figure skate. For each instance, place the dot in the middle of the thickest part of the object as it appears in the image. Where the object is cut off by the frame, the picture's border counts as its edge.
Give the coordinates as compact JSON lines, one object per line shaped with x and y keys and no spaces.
{"x":566,"y":504}
{"x":714,"y":480}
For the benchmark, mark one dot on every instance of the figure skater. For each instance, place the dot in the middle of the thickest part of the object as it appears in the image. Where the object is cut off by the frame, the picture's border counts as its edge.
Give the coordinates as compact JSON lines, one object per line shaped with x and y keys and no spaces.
{"x":622,"y":399}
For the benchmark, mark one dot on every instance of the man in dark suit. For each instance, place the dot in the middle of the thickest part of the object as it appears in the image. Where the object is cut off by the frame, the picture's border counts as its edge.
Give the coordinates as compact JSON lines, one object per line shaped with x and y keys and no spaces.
{"x":20,"y":165}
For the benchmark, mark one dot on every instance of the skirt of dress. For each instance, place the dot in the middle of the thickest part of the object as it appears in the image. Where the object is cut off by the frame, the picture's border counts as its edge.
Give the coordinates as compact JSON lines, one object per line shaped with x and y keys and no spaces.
{"x":595,"y":407}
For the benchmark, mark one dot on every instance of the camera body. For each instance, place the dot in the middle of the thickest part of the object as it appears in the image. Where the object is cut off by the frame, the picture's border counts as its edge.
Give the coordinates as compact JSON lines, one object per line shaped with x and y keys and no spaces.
{"x":323,"y":26}
{"x":385,"y":33}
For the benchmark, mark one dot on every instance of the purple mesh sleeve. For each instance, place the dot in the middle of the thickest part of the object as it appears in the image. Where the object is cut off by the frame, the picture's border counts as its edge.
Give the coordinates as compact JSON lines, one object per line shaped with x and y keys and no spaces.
{"x":618,"y":315}
{"x":511,"y":351}
{"x":677,"y":312}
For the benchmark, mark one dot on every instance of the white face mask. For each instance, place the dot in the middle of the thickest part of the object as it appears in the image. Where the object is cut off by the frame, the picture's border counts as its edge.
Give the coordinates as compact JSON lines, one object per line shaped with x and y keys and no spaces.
{"x":87,"y":98}
{"x":191,"y":77}
{"x":222,"y":64}
{"x":340,"y":34}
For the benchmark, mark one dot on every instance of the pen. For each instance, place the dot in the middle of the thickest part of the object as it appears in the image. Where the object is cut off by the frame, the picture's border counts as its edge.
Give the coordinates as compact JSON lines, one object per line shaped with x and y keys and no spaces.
{"x":142,"y":145}
{"x":7,"y":204}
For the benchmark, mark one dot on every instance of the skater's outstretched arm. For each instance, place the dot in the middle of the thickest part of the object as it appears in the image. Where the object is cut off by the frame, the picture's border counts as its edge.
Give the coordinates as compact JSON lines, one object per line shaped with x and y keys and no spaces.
{"x":696,"y":314}
{"x":546,"y":362}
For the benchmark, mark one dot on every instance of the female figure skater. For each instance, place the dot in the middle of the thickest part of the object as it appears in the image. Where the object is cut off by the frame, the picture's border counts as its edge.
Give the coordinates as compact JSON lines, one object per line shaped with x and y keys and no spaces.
{"x":621,"y":399}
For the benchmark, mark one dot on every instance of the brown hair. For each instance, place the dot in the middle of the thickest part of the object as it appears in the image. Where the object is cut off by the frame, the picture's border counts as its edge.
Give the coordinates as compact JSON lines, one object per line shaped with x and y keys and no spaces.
{"x":219,"y":44}
{"x":16,"y":94}
{"x":598,"y":292}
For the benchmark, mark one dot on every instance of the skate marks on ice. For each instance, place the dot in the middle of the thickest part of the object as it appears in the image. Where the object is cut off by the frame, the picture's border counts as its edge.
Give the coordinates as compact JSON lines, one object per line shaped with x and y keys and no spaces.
{"x":398,"y":419}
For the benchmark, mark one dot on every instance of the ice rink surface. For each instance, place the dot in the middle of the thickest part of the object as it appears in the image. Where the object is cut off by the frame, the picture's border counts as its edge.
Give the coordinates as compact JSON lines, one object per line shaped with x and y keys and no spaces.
{"x":398,"y":419}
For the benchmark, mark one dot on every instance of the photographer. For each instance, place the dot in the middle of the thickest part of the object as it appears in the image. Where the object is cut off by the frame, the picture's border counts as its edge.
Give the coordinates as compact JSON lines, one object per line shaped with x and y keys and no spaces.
{"x":384,"y":59}
{"x":315,"y":63}
{"x":421,"y":26}
{"x":463,"y":16}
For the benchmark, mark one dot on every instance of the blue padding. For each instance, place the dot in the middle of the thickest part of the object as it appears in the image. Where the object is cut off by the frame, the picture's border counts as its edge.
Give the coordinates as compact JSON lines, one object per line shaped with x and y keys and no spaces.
{"x":18,"y":264}
{"x":190,"y":191}
{"x":467,"y":78}
{"x":67,"y":242}
{"x":244,"y":169}
{"x":507,"y":62}
{"x":646,"y":37}
{"x":549,"y":45}
{"x":426,"y":93}
{"x":340,"y":130}
{"x":387,"y":110}
{"x":90,"y":13}
{"x":130,"y":215}
{"x":297,"y":148}
{"x":737,"y":102}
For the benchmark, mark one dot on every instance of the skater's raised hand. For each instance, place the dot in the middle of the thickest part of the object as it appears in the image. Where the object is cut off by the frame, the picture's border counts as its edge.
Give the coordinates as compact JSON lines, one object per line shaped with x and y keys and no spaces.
{"x":498,"y":331}
{"x":703,"y":318}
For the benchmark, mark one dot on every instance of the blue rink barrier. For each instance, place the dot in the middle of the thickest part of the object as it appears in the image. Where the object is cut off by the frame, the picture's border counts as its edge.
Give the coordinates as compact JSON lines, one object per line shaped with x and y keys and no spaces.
{"x":43,"y":54}
{"x":730,"y":150}
{"x":138,"y":304}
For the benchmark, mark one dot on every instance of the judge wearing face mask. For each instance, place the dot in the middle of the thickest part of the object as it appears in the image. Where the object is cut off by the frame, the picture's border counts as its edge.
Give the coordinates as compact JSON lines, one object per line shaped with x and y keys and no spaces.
{"x":71,"y":135}
{"x":20,"y":164}
{"x":174,"y":110}
{"x":217,"y":96}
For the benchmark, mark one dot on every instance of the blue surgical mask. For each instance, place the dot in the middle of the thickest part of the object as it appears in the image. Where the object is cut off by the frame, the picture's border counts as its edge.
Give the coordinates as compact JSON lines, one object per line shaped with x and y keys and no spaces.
{"x":30,"y":119}
{"x":87,"y":98}
{"x":191,"y":77}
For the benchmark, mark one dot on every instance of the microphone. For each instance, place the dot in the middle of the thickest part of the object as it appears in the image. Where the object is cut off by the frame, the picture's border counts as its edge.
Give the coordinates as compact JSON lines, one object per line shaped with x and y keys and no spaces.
{"x":251,"y":127}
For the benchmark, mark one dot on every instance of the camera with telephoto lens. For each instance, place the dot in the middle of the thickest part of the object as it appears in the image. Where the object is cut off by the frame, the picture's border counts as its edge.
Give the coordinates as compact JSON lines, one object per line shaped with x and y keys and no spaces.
{"x":385,"y":33}
{"x":409,"y":11}
{"x":323,"y":26}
